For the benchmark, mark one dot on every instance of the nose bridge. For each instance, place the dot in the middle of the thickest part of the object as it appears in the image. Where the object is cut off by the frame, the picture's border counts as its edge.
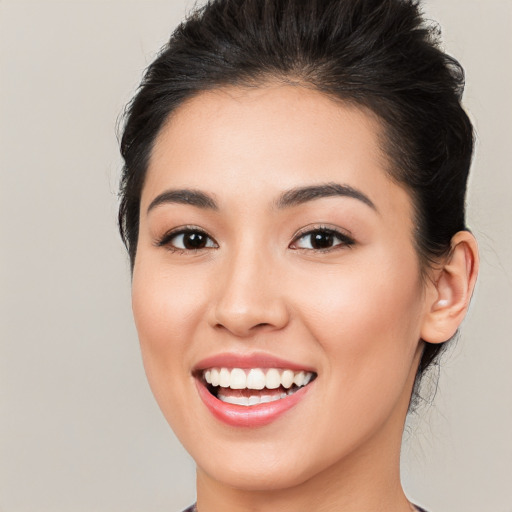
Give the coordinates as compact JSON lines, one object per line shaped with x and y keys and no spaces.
{"x":248,"y":293}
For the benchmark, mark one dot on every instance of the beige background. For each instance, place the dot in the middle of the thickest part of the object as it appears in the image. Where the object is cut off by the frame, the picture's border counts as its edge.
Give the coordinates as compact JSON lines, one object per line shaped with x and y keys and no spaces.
{"x":79,"y":430}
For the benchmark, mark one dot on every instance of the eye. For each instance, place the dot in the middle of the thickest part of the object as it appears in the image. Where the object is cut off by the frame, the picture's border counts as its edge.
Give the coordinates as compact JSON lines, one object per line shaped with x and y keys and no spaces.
{"x":321,"y":239}
{"x":187,"y":239}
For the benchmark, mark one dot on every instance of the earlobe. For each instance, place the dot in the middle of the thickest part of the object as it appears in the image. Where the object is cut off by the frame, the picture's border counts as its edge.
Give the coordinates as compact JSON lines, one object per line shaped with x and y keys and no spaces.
{"x":451,"y":290}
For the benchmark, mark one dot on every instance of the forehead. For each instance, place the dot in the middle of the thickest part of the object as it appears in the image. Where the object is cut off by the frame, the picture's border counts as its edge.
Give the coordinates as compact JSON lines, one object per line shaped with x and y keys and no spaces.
{"x":271,"y":139}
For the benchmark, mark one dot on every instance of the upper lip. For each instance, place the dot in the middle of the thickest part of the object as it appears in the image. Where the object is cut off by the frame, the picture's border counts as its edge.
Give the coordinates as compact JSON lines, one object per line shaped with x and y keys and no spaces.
{"x":247,"y":361}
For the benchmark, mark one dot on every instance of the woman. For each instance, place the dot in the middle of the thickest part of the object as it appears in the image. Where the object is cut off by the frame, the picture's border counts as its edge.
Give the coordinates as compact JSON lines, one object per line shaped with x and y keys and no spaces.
{"x":293,"y":206}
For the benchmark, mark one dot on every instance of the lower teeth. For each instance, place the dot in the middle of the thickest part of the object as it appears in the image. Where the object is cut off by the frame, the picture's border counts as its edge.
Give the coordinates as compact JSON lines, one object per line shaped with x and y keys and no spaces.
{"x":254,"y":399}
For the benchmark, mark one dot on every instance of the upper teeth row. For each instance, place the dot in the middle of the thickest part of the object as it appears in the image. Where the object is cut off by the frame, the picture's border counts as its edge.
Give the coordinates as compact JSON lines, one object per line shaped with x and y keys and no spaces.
{"x":255,"y":378}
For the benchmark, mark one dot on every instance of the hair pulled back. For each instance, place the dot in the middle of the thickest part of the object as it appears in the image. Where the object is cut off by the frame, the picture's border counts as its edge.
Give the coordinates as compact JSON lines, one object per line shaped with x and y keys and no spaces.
{"x":378,"y":54}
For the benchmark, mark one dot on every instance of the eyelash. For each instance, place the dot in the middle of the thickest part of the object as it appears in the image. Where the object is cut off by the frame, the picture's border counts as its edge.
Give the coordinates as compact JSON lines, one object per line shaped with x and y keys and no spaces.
{"x":167,"y":238}
{"x":344,"y":239}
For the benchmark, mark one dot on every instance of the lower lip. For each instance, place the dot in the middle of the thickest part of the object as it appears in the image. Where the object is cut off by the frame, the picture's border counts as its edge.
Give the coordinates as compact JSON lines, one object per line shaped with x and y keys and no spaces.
{"x":252,"y":415}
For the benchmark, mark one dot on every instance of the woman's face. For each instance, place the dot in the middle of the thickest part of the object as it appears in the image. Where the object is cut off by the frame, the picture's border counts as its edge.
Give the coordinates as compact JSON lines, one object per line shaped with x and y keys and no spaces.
{"x":274,"y":249}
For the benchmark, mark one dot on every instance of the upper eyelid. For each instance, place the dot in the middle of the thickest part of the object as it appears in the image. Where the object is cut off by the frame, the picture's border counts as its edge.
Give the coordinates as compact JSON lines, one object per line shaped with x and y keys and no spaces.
{"x":169,"y":235}
{"x":322,"y":227}
{"x":307,"y":230}
{"x":347,"y":240}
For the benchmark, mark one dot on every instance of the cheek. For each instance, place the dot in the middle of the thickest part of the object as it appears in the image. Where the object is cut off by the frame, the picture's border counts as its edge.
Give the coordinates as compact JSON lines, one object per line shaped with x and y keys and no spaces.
{"x":167,"y":309}
{"x":165,"y":303}
{"x":367,"y":315}
{"x":366,"y":321}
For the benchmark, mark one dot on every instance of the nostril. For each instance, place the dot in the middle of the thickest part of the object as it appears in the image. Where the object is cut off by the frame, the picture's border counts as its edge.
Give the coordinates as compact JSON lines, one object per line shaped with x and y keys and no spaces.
{"x":242,"y":317}
{"x":220,"y":325}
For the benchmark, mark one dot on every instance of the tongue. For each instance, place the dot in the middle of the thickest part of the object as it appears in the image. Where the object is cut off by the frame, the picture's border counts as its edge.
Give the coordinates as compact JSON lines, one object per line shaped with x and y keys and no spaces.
{"x":251,"y":392}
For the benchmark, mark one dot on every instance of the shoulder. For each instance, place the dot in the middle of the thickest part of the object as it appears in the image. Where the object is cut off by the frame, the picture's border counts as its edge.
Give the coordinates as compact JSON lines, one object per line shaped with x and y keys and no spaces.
{"x":192,"y":508}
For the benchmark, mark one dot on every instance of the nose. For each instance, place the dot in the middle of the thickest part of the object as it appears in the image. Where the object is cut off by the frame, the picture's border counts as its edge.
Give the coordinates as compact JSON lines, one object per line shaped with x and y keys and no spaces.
{"x":248,"y":295}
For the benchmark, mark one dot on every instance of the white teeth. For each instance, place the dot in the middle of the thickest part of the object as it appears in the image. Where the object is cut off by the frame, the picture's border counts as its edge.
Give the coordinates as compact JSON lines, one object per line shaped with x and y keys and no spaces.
{"x":224,"y":380}
{"x":287,"y":379}
{"x":238,"y":379}
{"x":251,"y":400}
{"x":256,"y":378}
{"x":272,"y":379}
{"x":237,"y":400}
{"x":254,"y":400}
{"x":298,"y":379}
{"x":215,"y":377}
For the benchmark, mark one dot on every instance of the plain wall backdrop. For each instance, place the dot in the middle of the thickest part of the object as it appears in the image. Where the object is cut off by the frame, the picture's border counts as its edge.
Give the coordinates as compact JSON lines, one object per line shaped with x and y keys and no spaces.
{"x":79,"y":429}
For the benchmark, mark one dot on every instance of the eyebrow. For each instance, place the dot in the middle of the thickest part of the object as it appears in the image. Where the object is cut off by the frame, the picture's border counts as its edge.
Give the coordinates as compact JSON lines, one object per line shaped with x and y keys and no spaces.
{"x":301,"y":195}
{"x":184,"y":196}
{"x":290,"y":198}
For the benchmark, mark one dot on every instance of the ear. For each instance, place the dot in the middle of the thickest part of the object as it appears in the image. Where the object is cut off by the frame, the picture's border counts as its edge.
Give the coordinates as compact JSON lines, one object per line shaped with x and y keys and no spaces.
{"x":451,"y":289}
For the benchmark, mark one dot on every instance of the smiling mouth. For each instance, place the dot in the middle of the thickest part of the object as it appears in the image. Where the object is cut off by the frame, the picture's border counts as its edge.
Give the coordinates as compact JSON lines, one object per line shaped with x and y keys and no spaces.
{"x":247,"y":387}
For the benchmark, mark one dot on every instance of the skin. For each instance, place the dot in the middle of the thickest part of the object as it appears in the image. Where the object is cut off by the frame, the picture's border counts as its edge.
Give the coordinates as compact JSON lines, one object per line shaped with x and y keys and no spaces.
{"x":354,"y":313}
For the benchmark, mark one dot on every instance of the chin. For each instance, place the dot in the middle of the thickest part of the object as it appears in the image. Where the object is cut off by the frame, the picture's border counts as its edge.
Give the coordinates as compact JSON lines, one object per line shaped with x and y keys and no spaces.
{"x":261,"y":475}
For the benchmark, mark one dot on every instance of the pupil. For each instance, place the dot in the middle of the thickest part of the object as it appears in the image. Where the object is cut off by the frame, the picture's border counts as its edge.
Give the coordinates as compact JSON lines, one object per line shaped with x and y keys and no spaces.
{"x":194,"y":241}
{"x":322,"y":240}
